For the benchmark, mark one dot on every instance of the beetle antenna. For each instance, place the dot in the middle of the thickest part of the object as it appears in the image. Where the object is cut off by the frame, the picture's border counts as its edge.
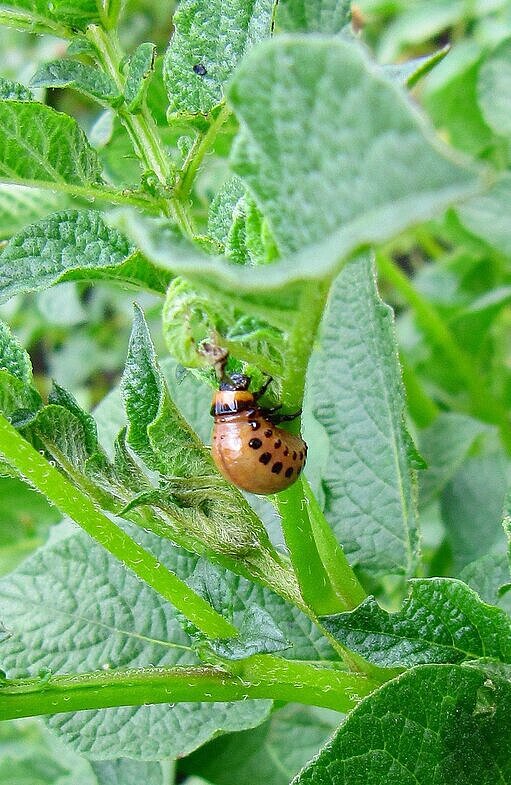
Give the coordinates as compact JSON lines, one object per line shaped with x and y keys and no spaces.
{"x":217,"y":357}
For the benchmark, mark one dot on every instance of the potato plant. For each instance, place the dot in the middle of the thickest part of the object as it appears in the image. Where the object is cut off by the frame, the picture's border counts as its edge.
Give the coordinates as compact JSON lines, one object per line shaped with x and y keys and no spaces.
{"x":322,"y":193}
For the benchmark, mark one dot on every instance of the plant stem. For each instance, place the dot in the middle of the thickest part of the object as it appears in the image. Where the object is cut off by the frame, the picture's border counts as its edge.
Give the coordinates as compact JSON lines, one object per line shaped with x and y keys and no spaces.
{"x":301,"y":340}
{"x":482,"y":403}
{"x":197,"y":152}
{"x":141,"y":127}
{"x":88,"y":192}
{"x":143,"y":132}
{"x":342,"y":578}
{"x":314,"y":581}
{"x":313,"y":578}
{"x":77,"y":505}
{"x":261,"y":676}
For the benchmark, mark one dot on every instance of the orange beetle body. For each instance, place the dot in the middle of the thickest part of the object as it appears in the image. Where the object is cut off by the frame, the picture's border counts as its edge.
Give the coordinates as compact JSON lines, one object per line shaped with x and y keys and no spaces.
{"x":248,"y":448}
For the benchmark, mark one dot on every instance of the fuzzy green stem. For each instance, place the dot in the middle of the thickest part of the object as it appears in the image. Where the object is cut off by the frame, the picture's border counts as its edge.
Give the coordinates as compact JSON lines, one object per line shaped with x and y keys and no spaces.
{"x":79,"y":507}
{"x":314,"y":581}
{"x":312,"y":576}
{"x":261,"y":676}
{"x":110,"y":10}
{"x":141,"y":127}
{"x":201,"y":146}
{"x":301,"y":340}
{"x":145,"y":137}
{"x":343,"y":580}
{"x":482,"y":403}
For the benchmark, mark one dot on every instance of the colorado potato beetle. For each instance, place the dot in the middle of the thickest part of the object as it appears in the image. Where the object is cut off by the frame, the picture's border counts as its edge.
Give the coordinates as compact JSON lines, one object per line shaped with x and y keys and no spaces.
{"x":248,"y":447}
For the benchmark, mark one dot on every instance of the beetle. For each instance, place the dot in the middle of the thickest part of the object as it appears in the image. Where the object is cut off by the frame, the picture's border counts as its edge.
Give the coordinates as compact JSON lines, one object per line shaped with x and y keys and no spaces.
{"x":249,"y":449}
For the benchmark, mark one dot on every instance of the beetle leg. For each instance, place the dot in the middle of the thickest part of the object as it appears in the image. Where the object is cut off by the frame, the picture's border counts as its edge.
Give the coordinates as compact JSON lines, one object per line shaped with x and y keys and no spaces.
{"x":277,"y":418}
{"x":268,"y":412}
{"x":263,"y":389}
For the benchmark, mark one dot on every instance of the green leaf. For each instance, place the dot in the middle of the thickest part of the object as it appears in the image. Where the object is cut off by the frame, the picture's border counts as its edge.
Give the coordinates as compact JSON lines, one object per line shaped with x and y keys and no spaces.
{"x":42,"y":147}
{"x":124,"y":771}
{"x":266,"y":622}
{"x":222,"y":209}
{"x":493,"y":89}
{"x":73,"y":245}
{"x":191,"y":317}
{"x":32,"y":770}
{"x":60,"y":397}
{"x":258,"y":634}
{"x":20,"y":206}
{"x":140,"y":70}
{"x":13,"y":91}
{"x":486,"y":215}
{"x":17,"y":397}
{"x":25,"y":517}
{"x":81,"y":46}
{"x":87,"y":79}
{"x":450,"y":98}
{"x":63,"y":624}
{"x":382,"y":171}
{"x":148,"y":406}
{"x":472,"y":506}
{"x":358,"y":398}
{"x":487,"y":576}
{"x":63,"y":436}
{"x":433,"y":725}
{"x":441,"y":620}
{"x":199,"y":61}
{"x":60,"y":17}
{"x":444,"y":446}
{"x":13,"y":357}
{"x":270,"y":754}
{"x":412,"y":71}
{"x":313,"y":16}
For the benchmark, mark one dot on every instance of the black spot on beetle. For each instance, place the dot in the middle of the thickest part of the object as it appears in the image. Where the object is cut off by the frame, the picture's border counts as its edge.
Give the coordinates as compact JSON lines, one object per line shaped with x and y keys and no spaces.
{"x":265,"y":458}
{"x":289,"y":471}
{"x":276,"y":468}
{"x":294,"y":456}
{"x":200,"y":69}
{"x":301,"y":455}
{"x":268,"y":433}
{"x":286,"y":452}
{"x":254,"y":424}
{"x":255,"y":443}
{"x":277,"y":444}
{"x":299,"y":470}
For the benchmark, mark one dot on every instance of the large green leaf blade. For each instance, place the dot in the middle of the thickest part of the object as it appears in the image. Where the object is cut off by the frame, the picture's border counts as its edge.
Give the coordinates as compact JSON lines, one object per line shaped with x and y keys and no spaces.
{"x":441,"y":620}
{"x":60,"y":17}
{"x":210,"y":39}
{"x":124,"y":771}
{"x":313,"y":16}
{"x":73,"y":245}
{"x":61,"y":625}
{"x":42,"y":147}
{"x":20,"y":206}
{"x":471,"y":505}
{"x":435,"y":724}
{"x":359,"y":400}
{"x":486,"y":215}
{"x":276,"y":750}
{"x":493,"y":90}
{"x":317,"y":118}
{"x":444,"y":445}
